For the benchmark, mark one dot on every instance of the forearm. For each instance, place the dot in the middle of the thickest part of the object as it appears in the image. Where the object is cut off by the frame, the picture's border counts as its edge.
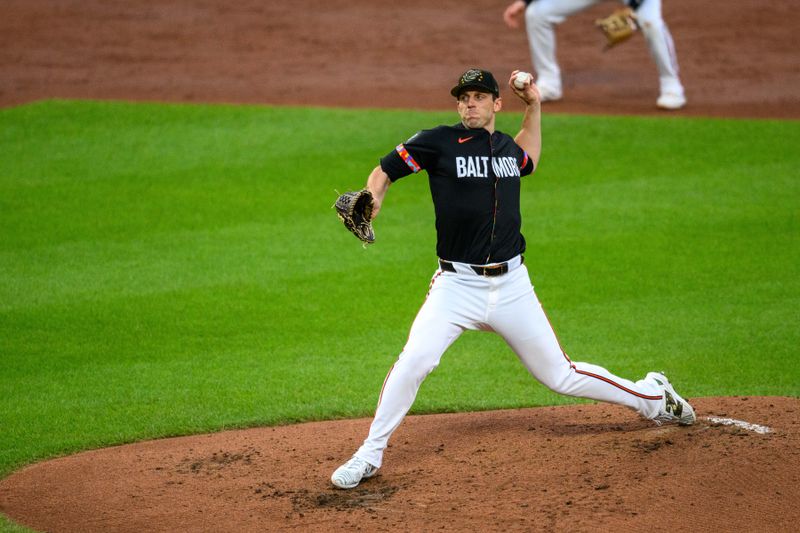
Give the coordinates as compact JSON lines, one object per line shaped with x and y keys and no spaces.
{"x":378,"y":183}
{"x":530,"y":135}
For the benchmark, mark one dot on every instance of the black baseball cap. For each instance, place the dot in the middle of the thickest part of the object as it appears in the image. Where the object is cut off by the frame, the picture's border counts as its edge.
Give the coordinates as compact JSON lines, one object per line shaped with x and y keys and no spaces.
{"x":476,"y":79}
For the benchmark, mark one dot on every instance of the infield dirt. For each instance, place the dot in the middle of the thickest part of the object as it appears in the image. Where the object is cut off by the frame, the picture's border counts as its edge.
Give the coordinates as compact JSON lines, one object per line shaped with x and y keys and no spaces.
{"x":576,"y":468}
{"x":737,"y":59}
{"x":579,"y":468}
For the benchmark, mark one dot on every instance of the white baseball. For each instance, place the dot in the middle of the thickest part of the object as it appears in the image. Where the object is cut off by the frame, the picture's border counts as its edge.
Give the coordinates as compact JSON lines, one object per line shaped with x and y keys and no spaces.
{"x":520,"y":79}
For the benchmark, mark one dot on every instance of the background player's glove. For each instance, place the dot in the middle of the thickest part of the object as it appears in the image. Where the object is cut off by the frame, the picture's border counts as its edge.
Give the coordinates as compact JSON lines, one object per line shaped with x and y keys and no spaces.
{"x":618,"y":27}
{"x":354,"y":208}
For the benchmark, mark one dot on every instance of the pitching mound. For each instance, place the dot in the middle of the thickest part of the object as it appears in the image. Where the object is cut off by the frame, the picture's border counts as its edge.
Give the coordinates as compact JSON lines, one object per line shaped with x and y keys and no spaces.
{"x":576,"y":468}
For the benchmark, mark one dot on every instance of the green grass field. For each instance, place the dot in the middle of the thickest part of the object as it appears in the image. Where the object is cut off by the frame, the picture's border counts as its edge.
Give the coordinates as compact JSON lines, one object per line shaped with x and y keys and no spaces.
{"x":171,"y":269}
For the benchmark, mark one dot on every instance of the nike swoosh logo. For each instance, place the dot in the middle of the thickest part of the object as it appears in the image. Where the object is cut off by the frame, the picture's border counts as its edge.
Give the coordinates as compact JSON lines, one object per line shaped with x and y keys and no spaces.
{"x":462,"y":140}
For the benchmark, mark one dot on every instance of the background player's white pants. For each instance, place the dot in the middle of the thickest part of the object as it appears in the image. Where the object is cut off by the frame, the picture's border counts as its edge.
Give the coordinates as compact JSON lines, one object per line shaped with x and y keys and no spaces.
{"x":542,"y":15}
{"x":508,"y":306}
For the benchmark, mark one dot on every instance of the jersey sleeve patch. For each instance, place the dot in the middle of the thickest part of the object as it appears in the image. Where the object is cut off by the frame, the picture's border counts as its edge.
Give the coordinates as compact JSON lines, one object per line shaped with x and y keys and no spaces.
{"x":524,"y":160}
{"x":403,"y":153}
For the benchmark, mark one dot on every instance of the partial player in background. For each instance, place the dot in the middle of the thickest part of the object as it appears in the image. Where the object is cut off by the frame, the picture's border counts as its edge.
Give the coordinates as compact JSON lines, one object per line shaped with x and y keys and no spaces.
{"x":541,"y":16}
{"x":475,"y":173}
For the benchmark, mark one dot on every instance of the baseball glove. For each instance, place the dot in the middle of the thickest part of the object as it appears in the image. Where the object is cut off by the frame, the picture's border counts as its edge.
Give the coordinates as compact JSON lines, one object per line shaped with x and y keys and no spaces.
{"x":618,"y":27}
{"x":354,"y":208}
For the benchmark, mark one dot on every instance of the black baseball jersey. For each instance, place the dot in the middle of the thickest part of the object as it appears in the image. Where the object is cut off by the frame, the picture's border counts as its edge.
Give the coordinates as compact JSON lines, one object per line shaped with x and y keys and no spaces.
{"x":474,"y":178}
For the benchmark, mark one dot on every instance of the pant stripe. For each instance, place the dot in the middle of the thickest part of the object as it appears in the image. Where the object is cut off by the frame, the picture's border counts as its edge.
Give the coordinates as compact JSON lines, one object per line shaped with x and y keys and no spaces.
{"x":590,"y":374}
{"x":610,"y":382}
{"x":380,"y":397}
{"x":673,"y":57}
{"x":435,"y":277}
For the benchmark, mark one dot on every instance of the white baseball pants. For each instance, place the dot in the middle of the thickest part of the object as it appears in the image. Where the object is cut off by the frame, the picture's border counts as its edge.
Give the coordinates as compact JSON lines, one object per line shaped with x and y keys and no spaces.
{"x":542,"y":15}
{"x":508,"y":306}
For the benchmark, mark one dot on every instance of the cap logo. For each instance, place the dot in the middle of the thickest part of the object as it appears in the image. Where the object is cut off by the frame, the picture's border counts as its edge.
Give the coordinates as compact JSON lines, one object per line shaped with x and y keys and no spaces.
{"x":471,"y":75}
{"x":477,"y":78}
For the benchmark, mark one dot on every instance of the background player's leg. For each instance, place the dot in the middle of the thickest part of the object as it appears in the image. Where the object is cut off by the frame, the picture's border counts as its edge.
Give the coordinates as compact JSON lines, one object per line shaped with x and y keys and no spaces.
{"x":540,"y":20}
{"x":525,"y":327}
{"x":662,"y":49}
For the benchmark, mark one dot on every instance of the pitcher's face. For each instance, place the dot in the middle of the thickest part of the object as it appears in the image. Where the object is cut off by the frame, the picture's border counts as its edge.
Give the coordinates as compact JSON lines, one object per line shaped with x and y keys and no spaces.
{"x":477,"y":109}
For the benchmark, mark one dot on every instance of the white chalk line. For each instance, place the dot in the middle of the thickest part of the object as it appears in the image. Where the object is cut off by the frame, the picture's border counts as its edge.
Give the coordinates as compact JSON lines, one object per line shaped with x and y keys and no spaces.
{"x":756,"y":428}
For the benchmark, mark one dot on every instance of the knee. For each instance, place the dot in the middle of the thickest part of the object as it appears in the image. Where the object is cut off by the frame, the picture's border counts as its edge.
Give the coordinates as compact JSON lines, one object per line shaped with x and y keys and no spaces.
{"x":650,"y":24}
{"x":532,"y":15}
{"x":416,"y":364}
{"x":559,"y":386}
{"x":558,"y":379}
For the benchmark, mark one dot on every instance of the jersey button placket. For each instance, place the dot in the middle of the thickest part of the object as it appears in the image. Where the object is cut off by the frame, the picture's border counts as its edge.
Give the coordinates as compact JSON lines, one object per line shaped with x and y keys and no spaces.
{"x":494,"y":198}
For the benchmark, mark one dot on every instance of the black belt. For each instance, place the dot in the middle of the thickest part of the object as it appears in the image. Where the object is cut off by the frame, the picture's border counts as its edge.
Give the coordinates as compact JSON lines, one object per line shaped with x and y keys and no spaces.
{"x":488,"y":271}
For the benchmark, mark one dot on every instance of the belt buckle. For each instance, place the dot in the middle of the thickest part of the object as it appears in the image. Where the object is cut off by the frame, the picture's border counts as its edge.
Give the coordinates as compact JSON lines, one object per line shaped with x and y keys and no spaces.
{"x":493,"y":271}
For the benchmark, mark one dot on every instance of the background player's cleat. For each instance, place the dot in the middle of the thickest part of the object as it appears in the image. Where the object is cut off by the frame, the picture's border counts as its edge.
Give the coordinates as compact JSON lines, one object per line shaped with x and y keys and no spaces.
{"x":350,"y":474}
{"x":671,"y":101}
{"x":673,"y":407}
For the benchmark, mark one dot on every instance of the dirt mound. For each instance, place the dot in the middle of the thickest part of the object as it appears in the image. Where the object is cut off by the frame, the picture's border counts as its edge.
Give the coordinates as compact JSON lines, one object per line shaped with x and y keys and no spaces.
{"x":736,"y":59}
{"x":576,"y":468}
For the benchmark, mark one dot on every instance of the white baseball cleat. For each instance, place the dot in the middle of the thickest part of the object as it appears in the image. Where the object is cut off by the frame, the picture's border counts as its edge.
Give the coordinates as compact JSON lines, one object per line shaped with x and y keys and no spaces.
{"x":671,"y":101}
{"x":350,"y":474}
{"x":673,"y":407}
